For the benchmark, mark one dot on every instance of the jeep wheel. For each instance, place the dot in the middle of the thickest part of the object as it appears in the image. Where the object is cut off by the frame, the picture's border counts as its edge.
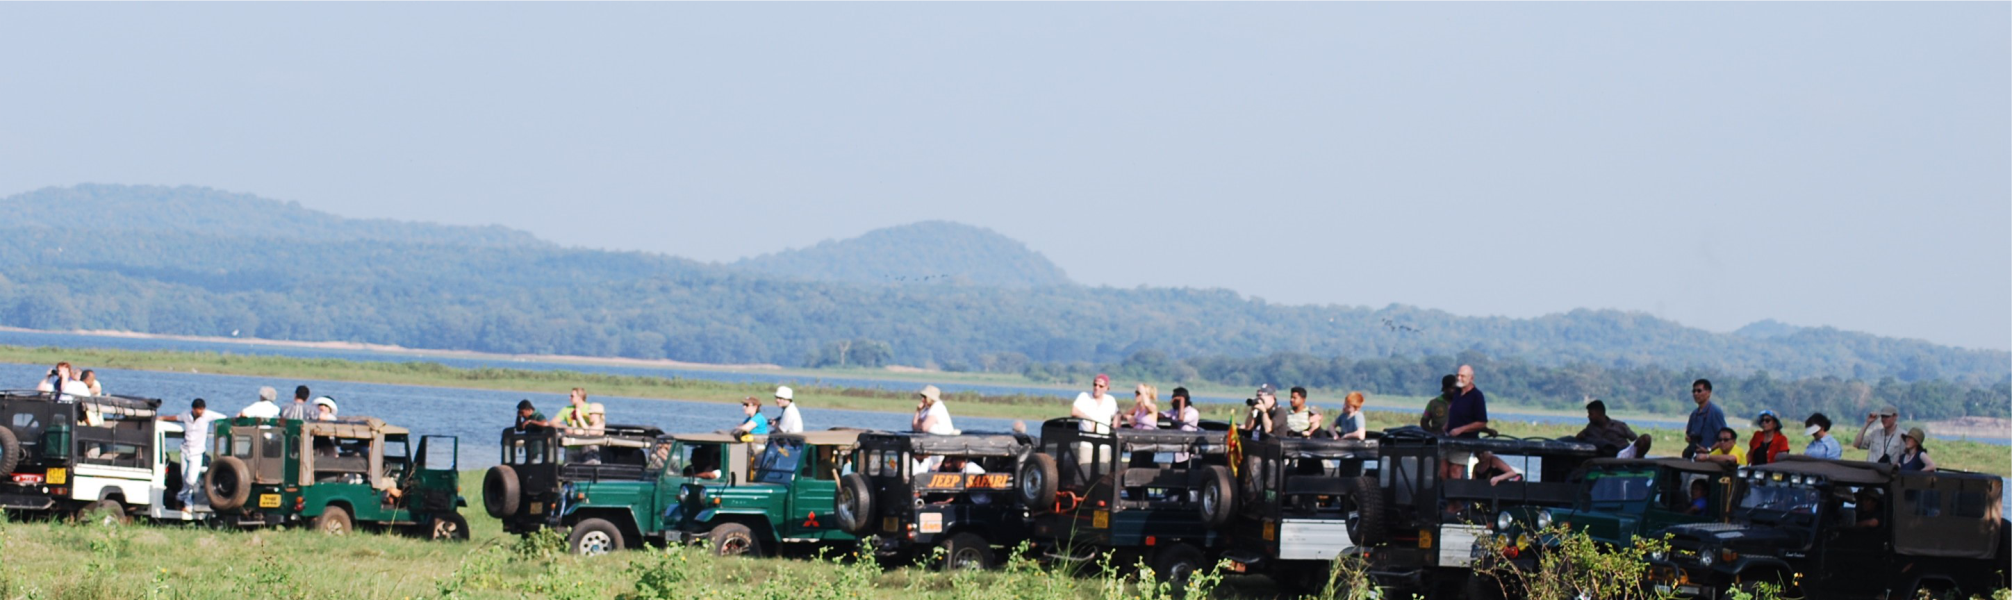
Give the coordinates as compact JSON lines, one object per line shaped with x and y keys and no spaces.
{"x":1370,"y":524}
{"x":334,"y":520}
{"x":594,"y":537}
{"x":227,"y":484}
{"x":107,"y":511}
{"x":965,"y":551}
{"x":855,"y":504}
{"x":1218,"y":496}
{"x":1038,"y":475}
{"x":500,"y":492}
{"x":10,"y":451}
{"x":449,"y":527}
{"x":734,"y":539}
{"x":1176,"y":564}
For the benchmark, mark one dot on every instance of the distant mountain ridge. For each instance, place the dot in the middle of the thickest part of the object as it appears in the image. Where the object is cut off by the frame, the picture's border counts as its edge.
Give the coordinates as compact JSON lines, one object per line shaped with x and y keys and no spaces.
{"x":923,"y":252}
{"x":201,"y":262}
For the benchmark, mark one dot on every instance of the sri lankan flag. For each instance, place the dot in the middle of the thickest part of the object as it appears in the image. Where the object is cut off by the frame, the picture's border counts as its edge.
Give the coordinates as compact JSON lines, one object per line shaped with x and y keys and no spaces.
{"x":1234,"y":447}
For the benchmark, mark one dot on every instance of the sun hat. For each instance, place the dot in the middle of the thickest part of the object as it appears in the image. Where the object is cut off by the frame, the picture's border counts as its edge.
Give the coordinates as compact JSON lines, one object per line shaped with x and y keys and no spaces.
{"x":1889,"y":411}
{"x":1918,"y":434}
{"x":1766,"y":414}
{"x":268,"y":394}
{"x":326,"y":401}
{"x":596,"y":409}
{"x":783,"y":392}
{"x":931,"y":393}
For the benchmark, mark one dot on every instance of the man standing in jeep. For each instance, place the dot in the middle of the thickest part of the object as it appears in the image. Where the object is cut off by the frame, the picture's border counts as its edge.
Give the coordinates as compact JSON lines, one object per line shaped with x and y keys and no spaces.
{"x":195,"y":437}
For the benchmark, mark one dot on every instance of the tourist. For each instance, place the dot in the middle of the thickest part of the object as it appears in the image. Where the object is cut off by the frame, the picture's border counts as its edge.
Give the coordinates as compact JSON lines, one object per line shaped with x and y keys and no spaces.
{"x":1705,"y":421}
{"x":1881,"y":437}
{"x":1725,"y":451}
{"x":299,"y":409}
{"x":90,"y":380}
{"x":1492,"y":468}
{"x":1768,"y":441}
{"x":1434,"y":418}
{"x":705,"y":463}
{"x":1351,"y":425}
{"x":791,"y":420}
{"x":597,"y":418}
{"x":1301,"y":420}
{"x":1821,"y":444}
{"x":574,"y":415}
{"x":1183,"y":414}
{"x":1914,"y":455}
{"x":1699,"y":494}
{"x":1097,"y":409}
{"x":753,"y":424}
{"x":1610,"y":435}
{"x":1145,"y":411}
{"x":62,"y":380}
{"x":324,"y":408}
{"x":1467,"y":414}
{"x":195,"y":440}
{"x":264,"y":407}
{"x":931,"y":416}
{"x":1868,"y":507}
{"x":528,"y":418}
{"x":1264,"y":417}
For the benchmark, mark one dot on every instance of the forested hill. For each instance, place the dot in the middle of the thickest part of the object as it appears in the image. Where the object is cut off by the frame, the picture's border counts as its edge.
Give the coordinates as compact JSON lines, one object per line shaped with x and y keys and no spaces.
{"x":926,"y":252}
{"x":200,"y":262}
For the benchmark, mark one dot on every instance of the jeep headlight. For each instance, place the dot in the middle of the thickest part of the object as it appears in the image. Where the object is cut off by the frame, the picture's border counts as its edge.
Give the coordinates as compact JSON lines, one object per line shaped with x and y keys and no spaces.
{"x":1503,"y":521}
{"x":1544,"y":520}
{"x":1659,"y":555}
{"x":1705,"y":559}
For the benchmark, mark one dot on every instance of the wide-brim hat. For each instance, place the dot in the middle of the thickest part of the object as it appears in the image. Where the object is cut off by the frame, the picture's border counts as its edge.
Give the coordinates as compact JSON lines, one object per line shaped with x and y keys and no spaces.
{"x":1920,"y":436}
{"x":785,"y":393}
{"x":930,"y":393}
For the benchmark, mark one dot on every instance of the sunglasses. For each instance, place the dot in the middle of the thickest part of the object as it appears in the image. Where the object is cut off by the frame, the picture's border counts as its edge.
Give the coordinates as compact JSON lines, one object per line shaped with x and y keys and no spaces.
{"x":1697,"y":390}
{"x":1727,"y":439}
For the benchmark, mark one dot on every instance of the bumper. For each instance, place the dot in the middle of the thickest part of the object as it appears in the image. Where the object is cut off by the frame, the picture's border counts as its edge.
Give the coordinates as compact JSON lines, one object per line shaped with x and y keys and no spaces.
{"x":1682,"y":582}
{"x":26,"y":502}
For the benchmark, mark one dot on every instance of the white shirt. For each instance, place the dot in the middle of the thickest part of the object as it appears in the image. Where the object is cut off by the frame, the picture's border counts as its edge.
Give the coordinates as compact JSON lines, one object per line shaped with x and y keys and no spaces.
{"x":262,"y":409}
{"x":196,"y":431}
{"x":791,"y":421}
{"x":1099,"y":409}
{"x":972,"y":468}
{"x":942,"y":424}
{"x":71,"y":387}
{"x":927,"y":465}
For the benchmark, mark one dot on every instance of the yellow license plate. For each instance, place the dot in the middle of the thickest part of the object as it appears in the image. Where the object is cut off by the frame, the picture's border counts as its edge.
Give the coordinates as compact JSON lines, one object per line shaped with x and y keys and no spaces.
{"x":890,"y":524}
{"x":56,"y":476}
{"x":537,"y":508}
{"x":268,"y":500}
{"x":1100,"y":519}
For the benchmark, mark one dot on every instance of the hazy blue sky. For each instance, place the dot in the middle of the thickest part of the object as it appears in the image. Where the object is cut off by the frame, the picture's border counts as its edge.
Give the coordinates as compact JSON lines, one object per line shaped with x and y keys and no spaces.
{"x":1716,"y":164}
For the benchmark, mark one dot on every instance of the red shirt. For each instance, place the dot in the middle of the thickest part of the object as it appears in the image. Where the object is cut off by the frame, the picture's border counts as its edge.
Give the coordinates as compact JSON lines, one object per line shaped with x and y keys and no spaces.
{"x":1774,"y":449}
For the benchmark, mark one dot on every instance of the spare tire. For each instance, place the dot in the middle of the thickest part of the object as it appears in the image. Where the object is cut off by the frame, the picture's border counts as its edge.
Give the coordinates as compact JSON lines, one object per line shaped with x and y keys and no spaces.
{"x":1038,"y":478}
{"x":1218,"y":496}
{"x":228,"y":483}
{"x":500,"y":492}
{"x":10,"y":451}
{"x":1371,"y":523}
{"x":854,"y":508}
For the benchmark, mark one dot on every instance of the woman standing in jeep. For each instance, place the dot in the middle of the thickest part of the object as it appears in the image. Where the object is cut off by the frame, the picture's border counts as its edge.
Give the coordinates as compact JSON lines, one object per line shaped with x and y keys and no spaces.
{"x":1767,"y":442}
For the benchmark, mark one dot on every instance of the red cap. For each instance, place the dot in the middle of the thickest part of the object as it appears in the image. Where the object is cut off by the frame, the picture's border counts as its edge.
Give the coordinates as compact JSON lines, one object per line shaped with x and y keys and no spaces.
{"x":1103,"y":379}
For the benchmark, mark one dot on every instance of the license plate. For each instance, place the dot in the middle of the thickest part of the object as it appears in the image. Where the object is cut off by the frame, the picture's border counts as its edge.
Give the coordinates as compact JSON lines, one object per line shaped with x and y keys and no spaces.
{"x":890,"y":524}
{"x":1101,"y":520}
{"x":537,"y":508}
{"x":58,"y":476}
{"x":268,"y":500}
{"x":931,"y":523}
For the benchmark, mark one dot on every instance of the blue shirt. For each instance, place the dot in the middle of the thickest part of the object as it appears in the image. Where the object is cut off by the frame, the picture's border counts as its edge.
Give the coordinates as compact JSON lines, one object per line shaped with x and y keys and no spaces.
{"x":760,"y":425}
{"x":1468,"y":407}
{"x":1824,"y":448}
{"x":1705,"y":424}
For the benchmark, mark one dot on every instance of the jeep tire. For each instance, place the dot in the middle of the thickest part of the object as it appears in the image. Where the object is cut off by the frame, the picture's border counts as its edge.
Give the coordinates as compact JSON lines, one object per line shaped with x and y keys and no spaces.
{"x":334,"y":520}
{"x":450,"y":527}
{"x":1174,"y":565}
{"x":10,"y":451}
{"x":102,"y":510}
{"x":227,"y":484}
{"x":594,"y":537}
{"x":855,"y":504}
{"x":1038,"y":478}
{"x":965,"y":550}
{"x":1218,"y":498}
{"x":500,"y":491}
{"x":1372,"y":521}
{"x":734,"y":539}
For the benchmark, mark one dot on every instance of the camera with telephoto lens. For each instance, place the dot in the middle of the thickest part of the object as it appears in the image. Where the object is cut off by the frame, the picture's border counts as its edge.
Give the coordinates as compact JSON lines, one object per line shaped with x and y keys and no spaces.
{"x":1251,"y":402}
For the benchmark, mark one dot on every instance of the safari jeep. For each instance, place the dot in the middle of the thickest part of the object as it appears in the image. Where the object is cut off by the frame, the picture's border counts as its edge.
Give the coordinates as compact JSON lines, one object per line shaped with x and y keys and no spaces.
{"x":1302,"y":503}
{"x":1432,"y":523}
{"x":915,"y":492}
{"x":611,"y":514}
{"x":524,"y":489}
{"x":1619,"y":499}
{"x":788,"y":502}
{"x":1152,"y":494}
{"x":334,"y":475}
{"x":1844,"y":530}
{"x":78,"y":455}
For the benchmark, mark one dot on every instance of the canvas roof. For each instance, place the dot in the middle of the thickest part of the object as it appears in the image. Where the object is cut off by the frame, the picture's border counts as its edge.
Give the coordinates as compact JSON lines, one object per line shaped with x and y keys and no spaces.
{"x":833,"y":436}
{"x":352,"y":428}
{"x":1676,"y":464}
{"x":969,"y":443}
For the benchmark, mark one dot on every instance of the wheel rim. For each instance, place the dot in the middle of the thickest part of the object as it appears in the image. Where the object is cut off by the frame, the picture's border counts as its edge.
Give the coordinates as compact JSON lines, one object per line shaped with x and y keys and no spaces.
{"x":445,"y":529}
{"x":1209,"y":500}
{"x":845,"y":500}
{"x":1179,"y":573}
{"x":734,"y":545}
{"x":967,"y":558}
{"x":333,"y":526}
{"x":595,"y":543}
{"x":1030,"y":483}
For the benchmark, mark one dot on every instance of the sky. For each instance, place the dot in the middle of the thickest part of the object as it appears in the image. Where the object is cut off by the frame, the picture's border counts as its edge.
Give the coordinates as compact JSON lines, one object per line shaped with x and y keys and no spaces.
{"x":1841,"y":164}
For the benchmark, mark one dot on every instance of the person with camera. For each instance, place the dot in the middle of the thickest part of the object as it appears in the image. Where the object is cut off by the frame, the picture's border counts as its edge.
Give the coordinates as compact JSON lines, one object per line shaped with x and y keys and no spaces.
{"x":1265,"y":416}
{"x":63,"y":380}
{"x":1881,"y":438}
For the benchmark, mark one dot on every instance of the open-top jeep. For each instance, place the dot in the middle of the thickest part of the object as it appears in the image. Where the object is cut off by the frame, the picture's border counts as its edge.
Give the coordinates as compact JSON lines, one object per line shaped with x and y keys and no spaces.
{"x":334,"y":475}
{"x":1619,"y":499}
{"x":1846,"y":529}
{"x":789,"y":501}
{"x":78,"y":455}
{"x":1152,"y":494}
{"x":608,"y":514}
{"x":524,"y":490}
{"x":1432,"y":522}
{"x":916,"y":491}
{"x":1302,"y":503}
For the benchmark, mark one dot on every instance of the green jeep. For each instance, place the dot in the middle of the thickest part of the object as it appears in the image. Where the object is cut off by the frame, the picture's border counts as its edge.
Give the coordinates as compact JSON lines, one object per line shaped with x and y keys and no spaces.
{"x":1618,"y":500}
{"x":334,"y":475}
{"x":523,"y":490}
{"x":790,"y":500}
{"x":612,"y":514}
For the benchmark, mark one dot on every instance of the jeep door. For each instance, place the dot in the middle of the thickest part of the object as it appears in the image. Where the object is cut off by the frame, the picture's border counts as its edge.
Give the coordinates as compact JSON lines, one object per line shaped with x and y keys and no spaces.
{"x":814,"y":495}
{"x":1851,"y":561}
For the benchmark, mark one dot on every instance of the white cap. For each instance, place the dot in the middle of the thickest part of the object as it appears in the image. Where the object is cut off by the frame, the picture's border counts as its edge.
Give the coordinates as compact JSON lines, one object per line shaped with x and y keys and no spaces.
{"x":1812,"y":430}
{"x":325,"y":401}
{"x":785,"y":393}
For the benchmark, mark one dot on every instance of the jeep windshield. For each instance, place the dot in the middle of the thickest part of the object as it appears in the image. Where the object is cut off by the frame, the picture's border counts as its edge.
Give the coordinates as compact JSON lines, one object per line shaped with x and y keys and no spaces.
{"x":1629,"y":490}
{"x":1780,"y":505}
{"x":779,"y":462}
